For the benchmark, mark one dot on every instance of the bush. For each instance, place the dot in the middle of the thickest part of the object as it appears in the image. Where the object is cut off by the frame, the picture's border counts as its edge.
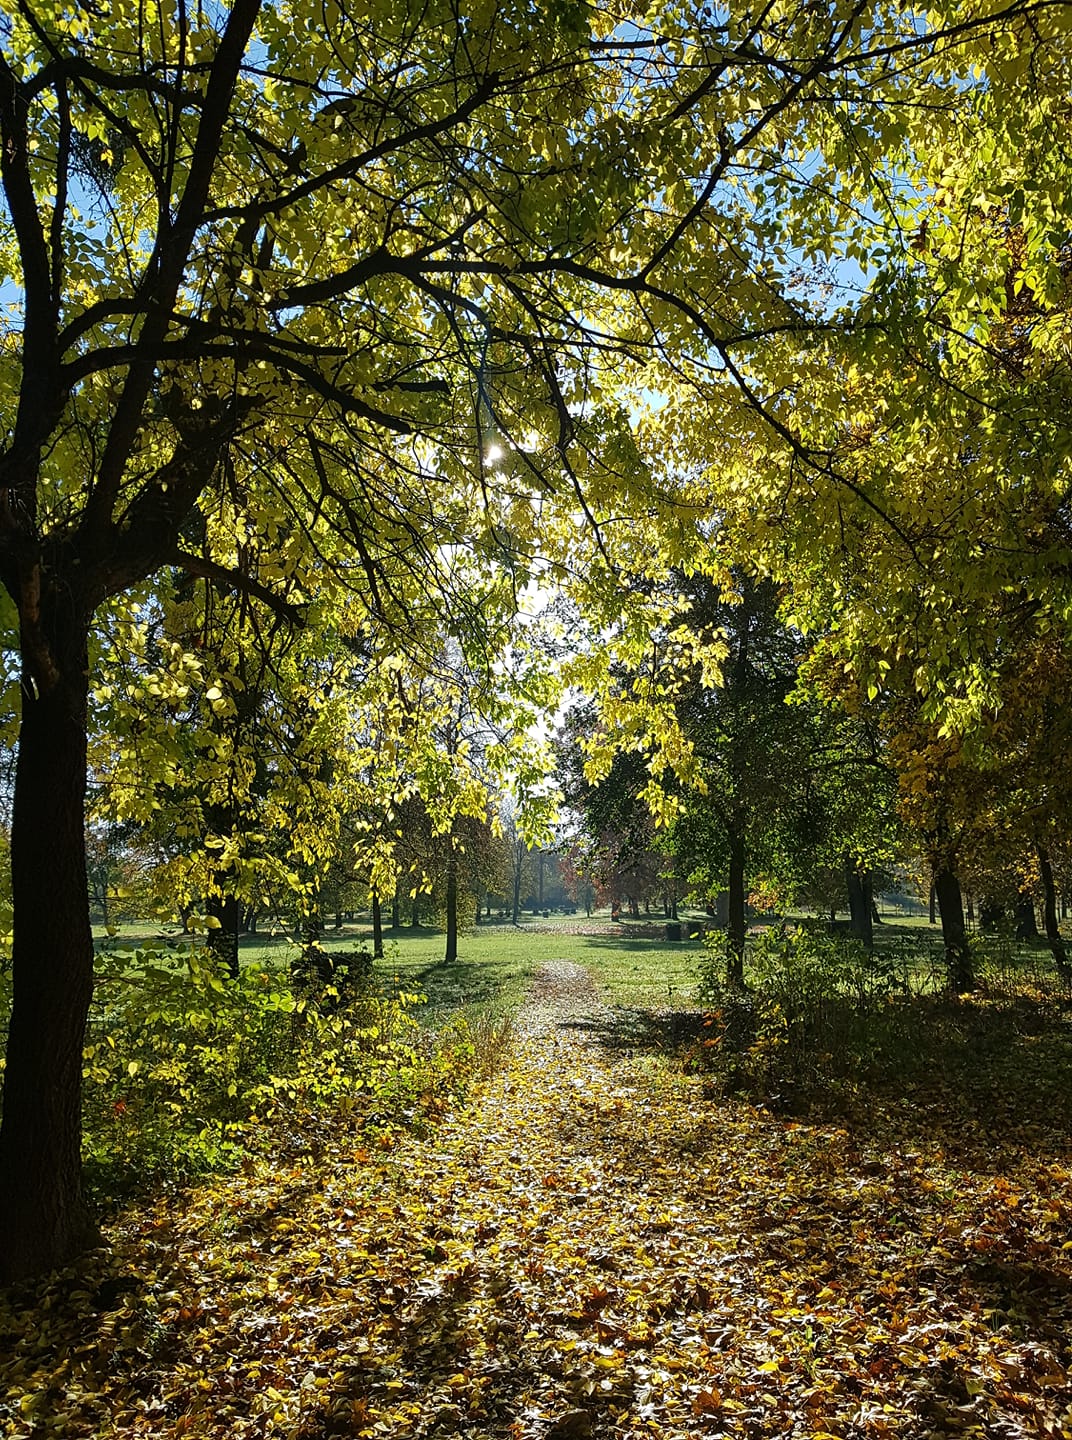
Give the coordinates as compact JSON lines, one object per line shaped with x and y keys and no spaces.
{"x":808,"y":1011}
{"x":186,"y":1069}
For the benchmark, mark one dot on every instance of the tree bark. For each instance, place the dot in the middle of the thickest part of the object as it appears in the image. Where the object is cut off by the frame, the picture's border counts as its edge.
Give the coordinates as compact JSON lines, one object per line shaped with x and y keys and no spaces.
{"x":377,"y":927}
{"x":1049,"y":914}
{"x":735,"y":923}
{"x":223,"y":940}
{"x":858,"y":885}
{"x":44,"y":1218}
{"x":958,"y":957}
{"x":519,"y":851}
{"x":450,"y":954}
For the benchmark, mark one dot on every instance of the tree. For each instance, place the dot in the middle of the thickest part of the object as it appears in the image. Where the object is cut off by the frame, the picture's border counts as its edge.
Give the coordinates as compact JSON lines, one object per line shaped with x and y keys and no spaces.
{"x":617,"y":832}
{"x":916,"y":498}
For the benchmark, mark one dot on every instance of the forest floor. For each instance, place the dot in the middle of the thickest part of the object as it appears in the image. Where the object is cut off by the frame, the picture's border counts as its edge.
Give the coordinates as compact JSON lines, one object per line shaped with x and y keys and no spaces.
{"x":593,"y":1247}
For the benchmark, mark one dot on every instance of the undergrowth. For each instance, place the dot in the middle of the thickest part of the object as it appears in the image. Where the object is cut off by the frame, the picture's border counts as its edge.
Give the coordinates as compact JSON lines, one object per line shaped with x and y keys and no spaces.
{"x":826,"y":1026}
{"x":188,"y":1070}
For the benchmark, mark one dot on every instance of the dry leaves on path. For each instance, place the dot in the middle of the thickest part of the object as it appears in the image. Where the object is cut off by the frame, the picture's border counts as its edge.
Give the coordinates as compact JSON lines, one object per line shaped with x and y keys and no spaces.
{"x":590,"y":1249}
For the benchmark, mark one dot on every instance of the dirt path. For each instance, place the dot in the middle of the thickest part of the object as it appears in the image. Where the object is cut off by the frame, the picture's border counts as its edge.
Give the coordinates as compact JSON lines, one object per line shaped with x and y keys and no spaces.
{"x":567,"y":1299}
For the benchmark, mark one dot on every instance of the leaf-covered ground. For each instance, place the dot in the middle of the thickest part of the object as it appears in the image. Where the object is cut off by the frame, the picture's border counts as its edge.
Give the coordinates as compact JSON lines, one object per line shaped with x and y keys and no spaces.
{"x":592,"y":1248}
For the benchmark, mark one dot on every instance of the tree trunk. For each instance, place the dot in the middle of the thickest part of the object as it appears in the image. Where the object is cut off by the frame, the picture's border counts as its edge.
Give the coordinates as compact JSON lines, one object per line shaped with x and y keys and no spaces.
{"x":450,"y":955}
{"x":519,"y":848}
{"x":858,"y":885}
{"x":1049,"y":914}
{"x":396,"y":912}
{"x":377,"y":927}
{"x":44,"y":1218}
{"x":958,"y":957}
{"x":223,"y":939}
{"x":415,"y":914}
{"x":933,"y":917}
{"x":735,"y":924}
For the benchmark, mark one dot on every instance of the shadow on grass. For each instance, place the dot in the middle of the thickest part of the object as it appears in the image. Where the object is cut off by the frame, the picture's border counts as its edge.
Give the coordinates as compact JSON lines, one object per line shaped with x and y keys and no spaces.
{"x":464,"y":983}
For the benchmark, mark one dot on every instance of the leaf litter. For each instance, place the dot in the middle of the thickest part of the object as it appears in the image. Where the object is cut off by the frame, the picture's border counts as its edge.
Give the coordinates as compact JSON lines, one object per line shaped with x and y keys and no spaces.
{"x":590,"y":1248}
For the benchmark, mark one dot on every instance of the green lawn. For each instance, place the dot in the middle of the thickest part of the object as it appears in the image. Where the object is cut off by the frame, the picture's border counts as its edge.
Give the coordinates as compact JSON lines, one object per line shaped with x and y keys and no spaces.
{"x":495,"y":962}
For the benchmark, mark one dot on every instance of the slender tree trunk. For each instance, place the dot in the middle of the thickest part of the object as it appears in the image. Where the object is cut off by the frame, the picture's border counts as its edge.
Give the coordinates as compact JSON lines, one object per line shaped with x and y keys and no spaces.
{"x":396,"y":912}
{"x":735,"y":924}
{"x":44,"y":1218}
{"x":1049,"y":914}
{"x":858,"y":884}
{"x":958,"y":957}
{"x":450,"y":955}
{"x":933,"y":917}
{"x":377,"y":927}
{"x":415,"y":914}
{"x":519,"y":850}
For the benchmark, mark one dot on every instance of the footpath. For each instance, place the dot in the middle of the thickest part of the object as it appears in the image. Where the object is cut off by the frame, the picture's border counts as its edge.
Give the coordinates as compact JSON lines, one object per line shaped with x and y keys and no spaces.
{"x":591,"y":1249}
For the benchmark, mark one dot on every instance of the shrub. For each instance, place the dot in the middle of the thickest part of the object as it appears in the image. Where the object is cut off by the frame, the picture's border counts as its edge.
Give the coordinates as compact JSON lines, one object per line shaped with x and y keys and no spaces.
{"x":808,"y":1011}
{"x":185,"y":1069}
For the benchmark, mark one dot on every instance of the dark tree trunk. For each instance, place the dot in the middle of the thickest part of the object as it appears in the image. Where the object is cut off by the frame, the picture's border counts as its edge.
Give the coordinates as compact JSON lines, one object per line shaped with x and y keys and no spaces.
{"x":958,"y":957}
{"x":861,"y":901}
{"x":1049,"y":914}
{"x":223,"y":937}
{"x":396,"y":912}
{"x":44,"y":1218}
{"x":450,"y":955}
{"x":735,"y":924}
{"x":415,"y":914}
{"x":377,"y":927}
{"x":933,"y":917}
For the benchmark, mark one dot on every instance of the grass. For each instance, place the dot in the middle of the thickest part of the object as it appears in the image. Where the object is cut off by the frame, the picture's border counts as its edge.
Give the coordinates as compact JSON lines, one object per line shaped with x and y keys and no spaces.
{"x":495,"y":962}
